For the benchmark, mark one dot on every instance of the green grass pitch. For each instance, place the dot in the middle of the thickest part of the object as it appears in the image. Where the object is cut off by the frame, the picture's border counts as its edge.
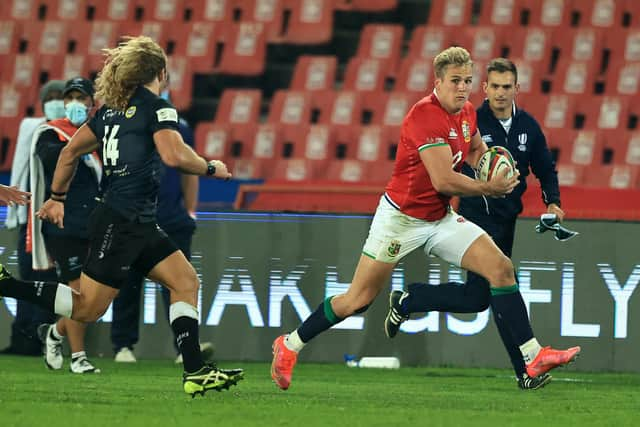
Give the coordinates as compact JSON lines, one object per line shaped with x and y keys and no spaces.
{"x":149,"y":394}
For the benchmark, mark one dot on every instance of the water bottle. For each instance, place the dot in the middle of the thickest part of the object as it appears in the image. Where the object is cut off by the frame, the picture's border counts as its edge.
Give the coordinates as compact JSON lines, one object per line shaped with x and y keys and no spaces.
{"x":372,"y":362}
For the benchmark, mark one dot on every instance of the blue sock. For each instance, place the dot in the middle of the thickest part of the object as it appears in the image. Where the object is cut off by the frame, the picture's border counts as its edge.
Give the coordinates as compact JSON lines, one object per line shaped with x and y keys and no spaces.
{"x":450,"y":297}
{"x":319,"y":321}
{"x":508,"y":306}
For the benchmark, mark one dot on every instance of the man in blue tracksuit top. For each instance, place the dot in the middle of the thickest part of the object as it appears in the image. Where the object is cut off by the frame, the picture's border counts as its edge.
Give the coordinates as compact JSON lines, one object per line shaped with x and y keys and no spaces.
{"x":500,"y":123}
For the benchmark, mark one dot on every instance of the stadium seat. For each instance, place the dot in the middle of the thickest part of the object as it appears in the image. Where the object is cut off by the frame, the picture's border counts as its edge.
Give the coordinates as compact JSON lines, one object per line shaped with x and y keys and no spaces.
{"x":267,"y":12}
{"x":623,"y":44}
{"x":310,"y":22}
{"x":245,"y":50}
{"x":347,"y":171}
{"x":597,"y":13}
{"x":553,"y":111}
{"x":154,"y":29}
{"x":371,"y":143}
{"x":262,"y":141}
{"x":380,"y":41}
{"x":196,"y":41}
{"x":162,"y":10}
{"x":547,"y":13}
{"x":479,"y":76}
{"x":314,"y":142}
{"x":379,"y":172}
{"x":289,"y":107}
{"x":70,"y":10}
{"x":112,"y":10}
{"x":574,"y":77}
{"x":19,"y":10}
{"x":612,"y":176}
{"x":632,"y":10}
{"x":451,"y":13}
{"x":569,"y":175}
{"x":622,"y":78}
{"x":22,"y":72}
{"x":560,"y":142}
{"x":500,"y":12}
{"x":181,"y":81}
{"x":9,"y":37}
{"x":415,"y":75}
{"x":294,"y":170}
{"x":529,"y":77}
{"x":608,"y":112}
{"x":580,"y":44}
{"x":209,"y":10}
{"x":248,"y":168}
{"x":213,"y":141}
{"x":367,"y":74}
{"x":587,"y":149}
{"x":73,"y":66}
{"x":483,"y":43}
{"x":314,"y":73}
{"x":338,"y":108}
{"x":53,"y":40}
{"x":389,"y":109}
{"x":630,"y":149}
{"x":532,"y":44}
{"x":239,"y":106}
{"x":89,"y":38}
{"x":427,"y":41}
{"x":12,"y":102}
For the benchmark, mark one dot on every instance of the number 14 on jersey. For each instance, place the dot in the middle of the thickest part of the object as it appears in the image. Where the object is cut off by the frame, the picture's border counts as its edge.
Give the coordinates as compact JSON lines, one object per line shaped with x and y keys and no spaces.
{"x":110,"y":145}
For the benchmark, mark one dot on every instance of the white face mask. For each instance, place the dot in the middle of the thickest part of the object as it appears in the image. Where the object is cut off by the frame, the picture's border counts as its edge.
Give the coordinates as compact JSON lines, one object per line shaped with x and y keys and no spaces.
{"x":76,"y":112}
{"x":54,"y":109}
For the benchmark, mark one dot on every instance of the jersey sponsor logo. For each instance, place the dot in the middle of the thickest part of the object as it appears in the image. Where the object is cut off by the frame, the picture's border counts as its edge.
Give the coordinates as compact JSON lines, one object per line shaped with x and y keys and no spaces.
{"x":394,"y":248}
{"x":452,"y":133}
{"x":466,"y":131}
{"x":167,"y":115}
{"x":488,"y":139}
{"x":131,"y":111}
{"x":522,"y":141}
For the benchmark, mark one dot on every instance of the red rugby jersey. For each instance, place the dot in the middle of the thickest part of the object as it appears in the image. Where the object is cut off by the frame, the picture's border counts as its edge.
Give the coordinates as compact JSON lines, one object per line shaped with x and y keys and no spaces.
{"x":426,"y":125}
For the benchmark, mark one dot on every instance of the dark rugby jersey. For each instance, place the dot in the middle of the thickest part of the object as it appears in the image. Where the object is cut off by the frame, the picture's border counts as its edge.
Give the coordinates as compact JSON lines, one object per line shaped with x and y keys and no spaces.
{"x":132,"y":166}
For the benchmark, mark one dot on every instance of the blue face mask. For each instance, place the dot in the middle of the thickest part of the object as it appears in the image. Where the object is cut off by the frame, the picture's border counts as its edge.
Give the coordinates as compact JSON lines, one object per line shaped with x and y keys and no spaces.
{"x":76,"y":112}
{"x":164,"y":95}
{"x":54,"y":109}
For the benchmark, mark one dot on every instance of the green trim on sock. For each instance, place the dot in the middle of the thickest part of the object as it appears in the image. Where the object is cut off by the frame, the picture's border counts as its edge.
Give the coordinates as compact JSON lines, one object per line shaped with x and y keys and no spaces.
{"x":505,"y":291}
{"x":328,"y":311}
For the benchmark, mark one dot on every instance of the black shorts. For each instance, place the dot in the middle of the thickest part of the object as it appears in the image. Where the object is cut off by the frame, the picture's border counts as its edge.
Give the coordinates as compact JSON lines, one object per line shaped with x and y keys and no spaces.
{"x":117,"y":245}
{"x":69,"y":254}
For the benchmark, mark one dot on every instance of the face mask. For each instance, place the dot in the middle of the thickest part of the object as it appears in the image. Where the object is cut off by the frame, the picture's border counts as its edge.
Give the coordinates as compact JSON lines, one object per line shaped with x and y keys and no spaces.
{"x":54,"y":109}
{"x":76,"y":112}
{"x":164,"y":95}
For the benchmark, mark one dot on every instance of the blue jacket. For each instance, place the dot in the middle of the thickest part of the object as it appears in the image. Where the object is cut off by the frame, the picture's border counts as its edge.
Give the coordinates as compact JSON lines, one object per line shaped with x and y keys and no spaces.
{"x":527,"y":144}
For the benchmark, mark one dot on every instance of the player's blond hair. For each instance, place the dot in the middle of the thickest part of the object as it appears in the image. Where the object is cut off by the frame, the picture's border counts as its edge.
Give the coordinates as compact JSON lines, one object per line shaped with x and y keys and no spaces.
{"x":455,"y":55}
{"x":135,"y":62}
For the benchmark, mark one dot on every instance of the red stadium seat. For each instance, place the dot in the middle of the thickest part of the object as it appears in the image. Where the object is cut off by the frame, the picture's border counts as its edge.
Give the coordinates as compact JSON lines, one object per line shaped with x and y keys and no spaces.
{"x":630,"y":149}
{"x":580,"y":44}
{"x":371,"y":143}
{"x":197,"y":42}
{"x":483,"y":43}
{"x":612,"y":176}
{"x":553,"y":111}
{"x":427,"y":41}
{"x":548,"y":13}
{"x":348,"y":171}
{"x":389,"y":109}
{"x":154,"y":29}
{"x":209,"y":10}
{"x":379,"y":173}
{"x":529,"y":77}
{"x":290,"y":107}
{"x":19,"y":10}
{"x":314,"y":142}
{"x":623,"y":44}
{"x":609,"y":112}
{"x":91,"y":37}
{"x":267,"y":12}
{"x":245,"y":50}
{"x":416,"y":75}
{"x":314,"y":73}
{"x":112,"y":10}
{"x":311,"y":21}
{"x":9,"y":37}
{"x":71,"y":10}
{"x":294,"y":170}
{"x":500,"y":12}
{"x":381,"y":41}
{"x":213,"y":141}
{"x":367,"y":74}
{"x":479,"y":76}
{"x":338,"y":108}
{"x":22,"y":71}
{"x":248,"y":168}
{"x":239,"y":106}
{"x":574,"y":77}
{"x":597,"y":13}
{"x":623,"y":78}
{"x":560,"y":142}
{"x":181,"y":81}
{"x":73,"y":66}
{"x":451,"y":13}
{"x":587,"y":149}
{"x":162,"y":10}
{"x":570,"y":175}
{"x":262,"y":141}
{"x":532,"y":44}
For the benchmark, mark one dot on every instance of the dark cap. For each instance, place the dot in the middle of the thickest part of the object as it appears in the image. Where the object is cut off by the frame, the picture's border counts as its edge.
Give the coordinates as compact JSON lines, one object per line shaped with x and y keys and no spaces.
{"x":80,"y":84}
{"x":51,"y":85}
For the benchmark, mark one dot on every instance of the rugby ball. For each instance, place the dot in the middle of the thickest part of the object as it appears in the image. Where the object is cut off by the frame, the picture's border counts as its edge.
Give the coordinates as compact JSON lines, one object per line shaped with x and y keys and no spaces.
{"x":493,"y":162}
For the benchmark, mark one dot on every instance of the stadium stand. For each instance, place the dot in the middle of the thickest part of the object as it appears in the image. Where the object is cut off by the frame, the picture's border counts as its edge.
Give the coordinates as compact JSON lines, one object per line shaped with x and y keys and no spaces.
{"x":314,"y":91}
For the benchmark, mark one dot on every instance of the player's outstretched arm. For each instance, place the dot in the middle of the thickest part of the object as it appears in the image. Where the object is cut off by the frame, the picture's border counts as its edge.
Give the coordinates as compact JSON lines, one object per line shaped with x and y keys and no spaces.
{"x":439,"y":163}
{"x":10,"y":195}
{"x":176,"y":154}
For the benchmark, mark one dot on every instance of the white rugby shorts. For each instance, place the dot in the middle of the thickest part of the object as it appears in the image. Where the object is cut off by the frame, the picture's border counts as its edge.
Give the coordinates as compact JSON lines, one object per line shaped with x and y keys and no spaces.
{"x":393,"y":235}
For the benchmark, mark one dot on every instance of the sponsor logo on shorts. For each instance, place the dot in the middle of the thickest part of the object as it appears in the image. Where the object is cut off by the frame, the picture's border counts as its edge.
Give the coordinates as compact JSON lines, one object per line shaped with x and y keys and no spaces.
{"x":394,"y":248}
{"x":461,"y":219}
